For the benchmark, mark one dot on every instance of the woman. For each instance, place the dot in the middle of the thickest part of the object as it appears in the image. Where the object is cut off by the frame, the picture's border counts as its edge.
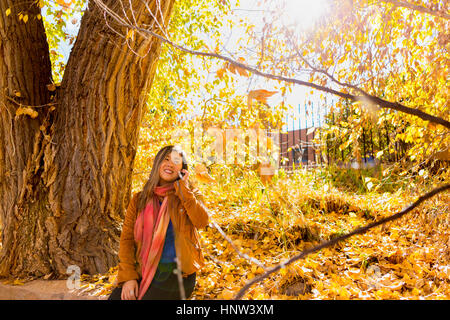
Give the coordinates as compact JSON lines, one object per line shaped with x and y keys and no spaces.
{"x":159,"y":230}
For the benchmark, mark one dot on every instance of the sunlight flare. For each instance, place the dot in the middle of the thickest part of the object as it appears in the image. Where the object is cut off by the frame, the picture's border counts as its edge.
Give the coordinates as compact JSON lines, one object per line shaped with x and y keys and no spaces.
{"x":304,"y":13}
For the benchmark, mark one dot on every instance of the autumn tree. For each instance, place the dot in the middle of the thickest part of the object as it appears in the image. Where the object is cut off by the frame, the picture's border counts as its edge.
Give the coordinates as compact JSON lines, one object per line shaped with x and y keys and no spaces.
{"x":395,"y":50}
{"x":67,"y":152}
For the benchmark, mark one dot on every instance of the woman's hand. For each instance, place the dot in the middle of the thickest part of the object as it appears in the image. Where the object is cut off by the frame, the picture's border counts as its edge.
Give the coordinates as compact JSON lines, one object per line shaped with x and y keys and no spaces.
{"x":186,"y":175}
{"x":130,"y":290}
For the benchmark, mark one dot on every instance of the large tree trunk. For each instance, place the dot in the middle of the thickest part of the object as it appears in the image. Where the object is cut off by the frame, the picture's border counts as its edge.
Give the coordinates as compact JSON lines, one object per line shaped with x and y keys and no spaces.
{"x":25,"y":70}
{"x":82,"y":159}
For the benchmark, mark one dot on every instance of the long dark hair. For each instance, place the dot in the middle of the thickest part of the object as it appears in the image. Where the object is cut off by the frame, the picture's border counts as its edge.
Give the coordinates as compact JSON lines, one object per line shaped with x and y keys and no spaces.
{"x":146,"y":194}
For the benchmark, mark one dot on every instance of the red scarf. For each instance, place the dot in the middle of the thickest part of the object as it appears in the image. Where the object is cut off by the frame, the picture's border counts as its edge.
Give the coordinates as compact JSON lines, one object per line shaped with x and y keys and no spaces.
{"x":150,"y":230}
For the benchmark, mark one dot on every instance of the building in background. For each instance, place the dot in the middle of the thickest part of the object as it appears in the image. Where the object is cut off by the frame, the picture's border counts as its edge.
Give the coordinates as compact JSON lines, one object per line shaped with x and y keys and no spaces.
{"x":298,"y":147}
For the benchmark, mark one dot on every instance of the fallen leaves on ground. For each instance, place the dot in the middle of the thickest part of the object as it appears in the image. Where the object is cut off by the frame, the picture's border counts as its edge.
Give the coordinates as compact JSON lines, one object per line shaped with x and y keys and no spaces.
{"x":405,"y":259}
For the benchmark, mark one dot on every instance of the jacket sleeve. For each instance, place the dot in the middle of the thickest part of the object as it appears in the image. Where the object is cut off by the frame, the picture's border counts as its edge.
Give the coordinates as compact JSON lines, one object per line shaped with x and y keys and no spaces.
{"x":193,"y":202}
{"x":127,"y":259}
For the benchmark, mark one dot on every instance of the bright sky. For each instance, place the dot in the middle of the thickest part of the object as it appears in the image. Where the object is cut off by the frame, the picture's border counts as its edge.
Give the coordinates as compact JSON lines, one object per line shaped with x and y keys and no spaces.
{"x":300,"y":15}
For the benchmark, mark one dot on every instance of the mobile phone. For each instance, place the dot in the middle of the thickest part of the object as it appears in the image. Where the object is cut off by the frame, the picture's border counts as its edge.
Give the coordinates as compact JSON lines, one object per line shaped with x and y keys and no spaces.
{"x":180,"y":175}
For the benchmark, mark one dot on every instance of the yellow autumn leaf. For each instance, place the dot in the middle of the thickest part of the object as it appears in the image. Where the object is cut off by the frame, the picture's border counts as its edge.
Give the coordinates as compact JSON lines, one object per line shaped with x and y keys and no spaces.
{"x":51,"y":87}
{"x":130,"y":34}
{"x":8,"y":11}
{"x":222,"y":94}
{"x":257,"y":269}
{"x":261,"y":95}
{"x":220,"y":73}
{"x":415,"y":292}
{"x":229,"y":278}
{"x":18,"y":282}
{"x":201,"y":173}
{"x":26,"y":111}
{"x":241,"y":71}
{"x":227,"y":294}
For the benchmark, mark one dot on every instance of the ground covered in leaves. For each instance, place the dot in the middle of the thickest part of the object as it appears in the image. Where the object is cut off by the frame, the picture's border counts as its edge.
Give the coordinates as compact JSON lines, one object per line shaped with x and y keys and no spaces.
{"x":404,"y":259}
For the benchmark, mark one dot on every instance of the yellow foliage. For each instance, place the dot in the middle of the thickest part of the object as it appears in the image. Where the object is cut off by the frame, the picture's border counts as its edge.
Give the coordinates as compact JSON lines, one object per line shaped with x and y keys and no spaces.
{"x":26,"y":111}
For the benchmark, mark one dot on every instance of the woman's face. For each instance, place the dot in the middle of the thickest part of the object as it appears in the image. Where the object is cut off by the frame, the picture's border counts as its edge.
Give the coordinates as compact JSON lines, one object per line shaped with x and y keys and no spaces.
{"x":170,"y":166}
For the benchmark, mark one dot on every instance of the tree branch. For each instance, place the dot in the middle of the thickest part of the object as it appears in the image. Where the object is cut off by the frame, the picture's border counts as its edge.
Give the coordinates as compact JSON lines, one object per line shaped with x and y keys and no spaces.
{"x":241,"y":254}
{"x":364,"y":97}
{"x":329,"y":243}
{"x":376,"y":100}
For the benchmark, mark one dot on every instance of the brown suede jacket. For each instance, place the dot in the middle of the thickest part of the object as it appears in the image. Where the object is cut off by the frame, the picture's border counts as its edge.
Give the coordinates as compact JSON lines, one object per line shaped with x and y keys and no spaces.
{"x":187,"y":213}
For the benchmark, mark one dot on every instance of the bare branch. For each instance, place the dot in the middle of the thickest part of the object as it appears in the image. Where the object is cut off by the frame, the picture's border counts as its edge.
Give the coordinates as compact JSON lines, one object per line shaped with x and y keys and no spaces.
{"x":132,"y":12}
{"x":243,"y":255}
{"x":329,"y":243}
{"x":180,"y":279}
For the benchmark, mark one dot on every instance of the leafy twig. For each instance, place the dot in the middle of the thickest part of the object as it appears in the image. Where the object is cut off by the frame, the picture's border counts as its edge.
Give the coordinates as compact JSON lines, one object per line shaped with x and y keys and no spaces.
{"x":243,"y":255}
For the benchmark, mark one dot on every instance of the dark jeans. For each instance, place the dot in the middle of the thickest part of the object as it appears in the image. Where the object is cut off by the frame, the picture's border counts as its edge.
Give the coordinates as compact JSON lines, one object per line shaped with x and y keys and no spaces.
{"x":164,"y":286}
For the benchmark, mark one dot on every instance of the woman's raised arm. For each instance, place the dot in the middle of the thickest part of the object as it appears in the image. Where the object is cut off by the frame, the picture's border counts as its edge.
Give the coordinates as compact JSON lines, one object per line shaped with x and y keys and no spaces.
{"x":192,"y":200}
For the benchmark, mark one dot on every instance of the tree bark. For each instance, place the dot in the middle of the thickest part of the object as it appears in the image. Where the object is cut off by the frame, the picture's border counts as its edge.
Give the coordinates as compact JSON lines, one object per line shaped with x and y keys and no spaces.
{"x":25,"y":70}
{"x":83,"y":177}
